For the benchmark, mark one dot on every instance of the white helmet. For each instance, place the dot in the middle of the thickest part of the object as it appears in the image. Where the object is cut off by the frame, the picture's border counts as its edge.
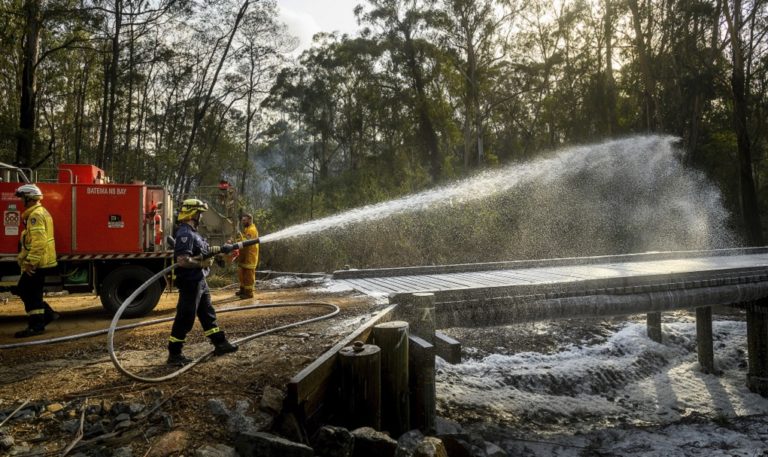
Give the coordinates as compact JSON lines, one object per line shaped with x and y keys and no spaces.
{"x":30,"y":191}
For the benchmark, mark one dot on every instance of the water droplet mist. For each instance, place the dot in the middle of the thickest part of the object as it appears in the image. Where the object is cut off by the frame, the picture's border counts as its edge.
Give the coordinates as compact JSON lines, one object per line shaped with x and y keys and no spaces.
{"x":627,"y":195}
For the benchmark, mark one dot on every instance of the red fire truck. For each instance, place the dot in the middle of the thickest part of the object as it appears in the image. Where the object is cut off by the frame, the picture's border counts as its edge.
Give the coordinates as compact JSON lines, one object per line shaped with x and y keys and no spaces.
{"x":110,"y":238}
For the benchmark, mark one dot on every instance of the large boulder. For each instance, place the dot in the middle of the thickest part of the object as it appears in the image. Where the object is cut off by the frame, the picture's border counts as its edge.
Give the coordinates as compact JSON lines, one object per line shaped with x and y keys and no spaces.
{"x":371,"y":443}
{"x":330,"y":441}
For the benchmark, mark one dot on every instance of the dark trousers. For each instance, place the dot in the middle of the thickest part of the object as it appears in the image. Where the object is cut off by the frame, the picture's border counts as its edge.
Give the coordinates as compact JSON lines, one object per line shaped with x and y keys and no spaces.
{"x":30,"y":290}
{"x":194,"y":300}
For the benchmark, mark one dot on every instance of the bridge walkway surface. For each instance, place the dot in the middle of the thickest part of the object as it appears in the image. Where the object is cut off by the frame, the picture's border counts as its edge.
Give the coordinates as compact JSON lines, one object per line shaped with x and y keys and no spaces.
{"x":518,"y":291}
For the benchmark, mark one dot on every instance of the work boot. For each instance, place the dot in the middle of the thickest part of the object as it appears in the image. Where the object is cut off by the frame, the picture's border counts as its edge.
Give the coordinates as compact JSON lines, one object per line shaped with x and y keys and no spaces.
{"x":27,"y":332}
{"x":50,"y":317}
{"x":223,"y":347}
{"x":175,"y":357}
{"x":178,"y":360}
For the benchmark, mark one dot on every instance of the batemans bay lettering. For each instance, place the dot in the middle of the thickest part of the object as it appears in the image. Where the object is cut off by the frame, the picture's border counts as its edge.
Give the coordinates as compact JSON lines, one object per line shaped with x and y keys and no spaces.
{"x":106,"y":190}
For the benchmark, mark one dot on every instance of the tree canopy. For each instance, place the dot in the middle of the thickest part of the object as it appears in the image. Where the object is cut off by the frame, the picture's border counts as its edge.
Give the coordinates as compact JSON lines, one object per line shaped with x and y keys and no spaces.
{"x":185,"y":93}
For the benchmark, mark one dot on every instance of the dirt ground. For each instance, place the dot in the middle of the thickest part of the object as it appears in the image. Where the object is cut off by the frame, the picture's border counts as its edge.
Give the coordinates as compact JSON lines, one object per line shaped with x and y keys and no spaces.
{"x":81,"y":369}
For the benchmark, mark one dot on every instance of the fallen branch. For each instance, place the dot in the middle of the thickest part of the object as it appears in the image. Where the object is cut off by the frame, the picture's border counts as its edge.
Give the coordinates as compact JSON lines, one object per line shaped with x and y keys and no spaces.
{"x":79,"y":435}
{"x":14,"y":412}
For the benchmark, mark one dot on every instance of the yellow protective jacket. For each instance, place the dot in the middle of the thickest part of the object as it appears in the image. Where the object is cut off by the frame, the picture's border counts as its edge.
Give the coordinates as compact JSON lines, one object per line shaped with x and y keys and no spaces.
{"x":249,"y":256}
{"x":37,"y":245}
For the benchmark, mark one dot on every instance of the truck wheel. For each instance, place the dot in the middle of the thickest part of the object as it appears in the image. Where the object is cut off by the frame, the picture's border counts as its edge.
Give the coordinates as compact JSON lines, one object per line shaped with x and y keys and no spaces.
{"x":121,"y":282}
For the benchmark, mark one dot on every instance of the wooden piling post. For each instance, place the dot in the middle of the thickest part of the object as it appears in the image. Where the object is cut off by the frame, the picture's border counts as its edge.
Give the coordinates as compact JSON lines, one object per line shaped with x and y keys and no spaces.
{"x":757,"y":347}
{"x":704,"y":346}
{"x":423,"y":395}
{"x":419,"y":310}
{"x":360,"y":367}
{"x":447,"y":348}
{"x":653,"y":324}
{"x":392,"y":339}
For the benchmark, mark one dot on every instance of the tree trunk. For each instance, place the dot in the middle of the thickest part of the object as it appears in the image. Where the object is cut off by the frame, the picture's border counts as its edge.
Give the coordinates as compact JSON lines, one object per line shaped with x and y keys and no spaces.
{"x":426,"y":127}
{"x":739,"y":90}
{"x":611,"y":123}
{"x":104,"y":114}
{"x":649,"y":82}
{"x":80,"y":112}
{"x":27,"y":111}
{"x":109,"y":147}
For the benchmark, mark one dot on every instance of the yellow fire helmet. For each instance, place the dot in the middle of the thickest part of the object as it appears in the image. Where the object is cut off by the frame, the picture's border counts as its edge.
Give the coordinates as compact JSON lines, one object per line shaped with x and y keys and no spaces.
{"x":190,"y":208}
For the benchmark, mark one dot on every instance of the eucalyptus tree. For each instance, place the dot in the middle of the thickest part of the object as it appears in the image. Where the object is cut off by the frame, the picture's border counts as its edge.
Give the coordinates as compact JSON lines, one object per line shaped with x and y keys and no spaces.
{"x":261,"y":46}
{"x":475,"y":34}
{"x":747,"y":34}
{"x":46,"y":30}
{"x":406,"y":29}
{"x":204,"y":95}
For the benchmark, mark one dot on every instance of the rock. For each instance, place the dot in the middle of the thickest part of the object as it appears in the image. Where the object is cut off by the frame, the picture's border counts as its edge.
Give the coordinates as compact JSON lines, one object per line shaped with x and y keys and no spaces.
{"x":24,"y":415}
{"x":272,"y":400}
{"x":171,"y":443}
{"x":408,"y":441}
{"x":125,"y":451}
{"x":430,"y":447}
{"x":492,"y":450}
{"x":331,"y":441}
{"x":119,"y":408}
{"x":93,"y":430}
{"x":152,"y":431}
{"x":6,"y":442}
{"x":122,"y":417}
{"x":371,"y":443}
{"x":217,"y":450}
{"x":459,"y":445}
{"x":70,"y":426}
{"x":262,"y":421}
{"x":92,"y":409}
{"x":54,"y":408}
{"x":267,"y":445}
{"x":286,"y":425}
{"x":217,"y":407}
{"x":122,"y":425}
{"x":19,"y":449}
{"x":164,"y":419}
{"x":135,"y":408}
{"x":445,"y":426}
{"x":237,"y":419}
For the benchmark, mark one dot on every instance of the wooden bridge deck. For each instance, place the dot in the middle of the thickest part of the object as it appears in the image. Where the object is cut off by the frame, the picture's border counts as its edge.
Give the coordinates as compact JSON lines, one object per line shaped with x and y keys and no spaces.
{"x":554,"y":274}
{"x":506,"y":292}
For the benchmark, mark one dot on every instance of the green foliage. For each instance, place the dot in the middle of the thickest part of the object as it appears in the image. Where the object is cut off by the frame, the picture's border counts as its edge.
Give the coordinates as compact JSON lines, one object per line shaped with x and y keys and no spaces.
{"x":427,"y":92}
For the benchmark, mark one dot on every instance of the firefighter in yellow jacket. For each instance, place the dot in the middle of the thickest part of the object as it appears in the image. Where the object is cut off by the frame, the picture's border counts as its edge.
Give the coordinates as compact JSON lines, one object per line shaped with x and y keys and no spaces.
{"x":248,"y":259}
{"x":37,"y":259}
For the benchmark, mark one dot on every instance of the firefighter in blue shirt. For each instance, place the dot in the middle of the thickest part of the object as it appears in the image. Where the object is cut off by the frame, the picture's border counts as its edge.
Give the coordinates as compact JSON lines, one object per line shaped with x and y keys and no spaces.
{"x":193,"y":259}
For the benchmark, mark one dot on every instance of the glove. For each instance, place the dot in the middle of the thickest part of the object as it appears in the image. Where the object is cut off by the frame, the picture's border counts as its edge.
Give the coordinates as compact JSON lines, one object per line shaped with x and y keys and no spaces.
{"x":213,"y":250}
{"x":27,"y":268}
{"x":206,"y":263}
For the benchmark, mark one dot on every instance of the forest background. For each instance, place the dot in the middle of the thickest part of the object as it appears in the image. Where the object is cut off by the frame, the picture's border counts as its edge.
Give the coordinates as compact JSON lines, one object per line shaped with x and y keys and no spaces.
{"x":184,"y":93}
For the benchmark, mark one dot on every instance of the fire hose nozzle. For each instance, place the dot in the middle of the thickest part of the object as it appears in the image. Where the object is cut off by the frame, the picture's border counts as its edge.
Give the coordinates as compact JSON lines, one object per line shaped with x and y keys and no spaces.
{"x":227,"y":248}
